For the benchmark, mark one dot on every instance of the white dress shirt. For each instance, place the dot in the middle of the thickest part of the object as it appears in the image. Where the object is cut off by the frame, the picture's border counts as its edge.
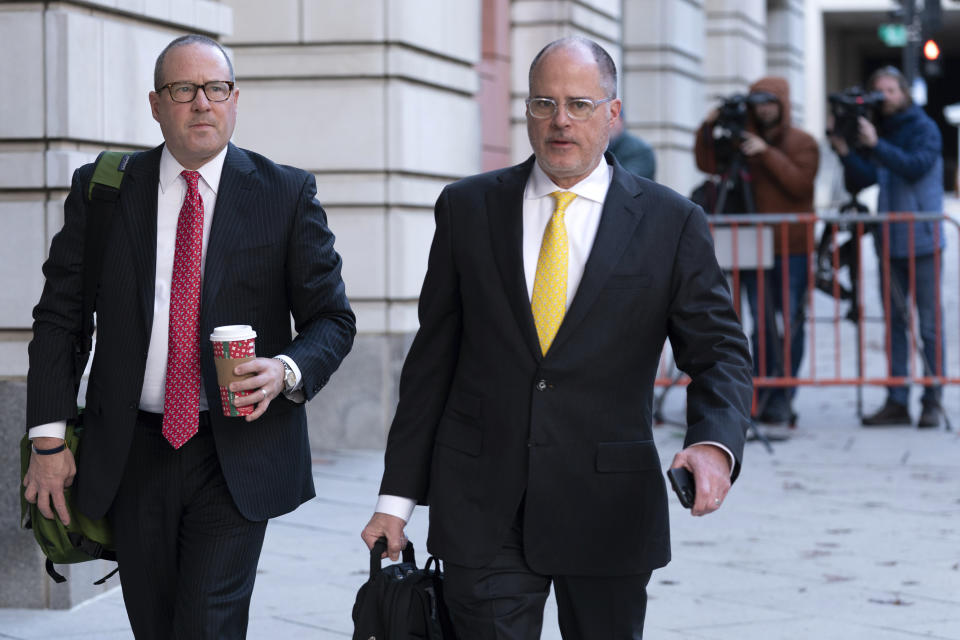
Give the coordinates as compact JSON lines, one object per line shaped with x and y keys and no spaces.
{"x":582,"y":220}
{"x":171,"y":192}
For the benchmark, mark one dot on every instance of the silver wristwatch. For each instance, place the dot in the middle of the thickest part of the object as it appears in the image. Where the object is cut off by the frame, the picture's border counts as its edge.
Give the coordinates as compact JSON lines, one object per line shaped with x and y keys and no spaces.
{"x":289,"y":377}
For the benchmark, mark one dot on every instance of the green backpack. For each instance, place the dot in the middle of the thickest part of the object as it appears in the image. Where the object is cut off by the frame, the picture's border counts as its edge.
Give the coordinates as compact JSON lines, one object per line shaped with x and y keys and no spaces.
{"x":80,"y":541}
{"x":83,"y":539}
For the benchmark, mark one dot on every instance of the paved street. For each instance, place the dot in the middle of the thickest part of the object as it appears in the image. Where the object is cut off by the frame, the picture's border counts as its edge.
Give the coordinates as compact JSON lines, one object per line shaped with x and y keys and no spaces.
{"x":841,"y":533}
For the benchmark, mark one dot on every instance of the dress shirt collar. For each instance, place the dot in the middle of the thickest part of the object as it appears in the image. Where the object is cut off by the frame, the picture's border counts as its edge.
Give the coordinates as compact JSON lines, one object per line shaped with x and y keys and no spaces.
{"x":170,"y":170}
{"x":594,"y":187}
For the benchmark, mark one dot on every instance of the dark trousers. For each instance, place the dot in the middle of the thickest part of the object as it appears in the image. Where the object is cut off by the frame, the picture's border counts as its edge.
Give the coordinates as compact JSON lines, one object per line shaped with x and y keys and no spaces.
{"x":187,"y":557}
{"x":505,"y":600}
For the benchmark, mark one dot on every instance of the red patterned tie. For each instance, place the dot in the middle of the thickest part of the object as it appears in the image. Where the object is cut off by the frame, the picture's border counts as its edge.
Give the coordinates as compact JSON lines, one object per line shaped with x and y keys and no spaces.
{"x":181,"y":393}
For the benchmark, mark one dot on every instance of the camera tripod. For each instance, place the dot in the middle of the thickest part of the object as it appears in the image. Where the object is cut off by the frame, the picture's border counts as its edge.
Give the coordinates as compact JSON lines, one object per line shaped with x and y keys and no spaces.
{"x":735,"y":175}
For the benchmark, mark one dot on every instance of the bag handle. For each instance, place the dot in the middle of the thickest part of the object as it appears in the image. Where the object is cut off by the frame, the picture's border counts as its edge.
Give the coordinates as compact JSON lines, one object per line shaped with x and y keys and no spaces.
{"x":435,"y":563}
{"x":380,"y":546}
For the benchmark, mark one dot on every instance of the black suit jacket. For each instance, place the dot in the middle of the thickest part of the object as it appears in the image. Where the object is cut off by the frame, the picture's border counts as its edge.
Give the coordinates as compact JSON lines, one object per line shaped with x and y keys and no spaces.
{"x":485,"y":421}
{"x":269,"y":254}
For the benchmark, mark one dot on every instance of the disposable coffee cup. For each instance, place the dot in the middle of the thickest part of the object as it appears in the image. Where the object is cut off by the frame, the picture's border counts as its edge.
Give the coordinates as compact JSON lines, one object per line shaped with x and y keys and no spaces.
{"x":232,"y":345}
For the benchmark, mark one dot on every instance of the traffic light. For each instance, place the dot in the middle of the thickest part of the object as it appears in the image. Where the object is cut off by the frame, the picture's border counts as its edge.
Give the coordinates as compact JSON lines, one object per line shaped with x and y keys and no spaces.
{"x":931,"y":58}
{"x":931,"y":18}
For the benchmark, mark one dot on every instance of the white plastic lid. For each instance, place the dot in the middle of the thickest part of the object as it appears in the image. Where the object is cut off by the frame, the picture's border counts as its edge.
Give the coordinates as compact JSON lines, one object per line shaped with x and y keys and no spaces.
{"x":233,"y":332}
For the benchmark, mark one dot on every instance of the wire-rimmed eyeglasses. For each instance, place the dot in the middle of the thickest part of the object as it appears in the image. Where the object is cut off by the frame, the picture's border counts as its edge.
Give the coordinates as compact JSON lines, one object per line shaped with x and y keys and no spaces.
{"x":215,"y":90}
{"x":576,"y":108}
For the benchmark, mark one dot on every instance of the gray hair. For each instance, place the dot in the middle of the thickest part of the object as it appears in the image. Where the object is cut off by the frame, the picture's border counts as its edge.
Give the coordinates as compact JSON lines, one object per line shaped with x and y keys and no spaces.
{"x":608,"y":70}
{"x":183,"y":41}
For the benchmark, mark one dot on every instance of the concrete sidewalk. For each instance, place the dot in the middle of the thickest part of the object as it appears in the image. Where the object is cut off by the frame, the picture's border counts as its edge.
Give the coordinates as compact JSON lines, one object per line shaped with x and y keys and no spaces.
{"x":842,"y":532}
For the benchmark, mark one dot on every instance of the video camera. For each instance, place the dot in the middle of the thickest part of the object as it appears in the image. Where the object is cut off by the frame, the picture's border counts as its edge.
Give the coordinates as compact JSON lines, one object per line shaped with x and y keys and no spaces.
{"x":847,"y":106}
{"x":731,"y":122}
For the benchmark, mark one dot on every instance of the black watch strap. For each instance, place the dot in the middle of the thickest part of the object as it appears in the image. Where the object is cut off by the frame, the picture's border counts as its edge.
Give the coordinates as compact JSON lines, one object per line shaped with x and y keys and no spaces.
{"x":49,"y":452}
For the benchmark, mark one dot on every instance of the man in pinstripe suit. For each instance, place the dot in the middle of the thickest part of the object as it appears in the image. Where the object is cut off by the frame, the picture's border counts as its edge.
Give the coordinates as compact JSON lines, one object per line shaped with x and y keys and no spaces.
{"x":189,"y":516}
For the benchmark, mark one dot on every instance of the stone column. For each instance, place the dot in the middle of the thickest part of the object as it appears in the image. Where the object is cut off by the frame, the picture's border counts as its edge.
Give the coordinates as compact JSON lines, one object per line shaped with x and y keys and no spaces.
{"x":736,"y":45}
{"x":74,"y":81}
{"x":377,"y":99}
{"x":785,"y":50}
{"x":494,"y":95}
{"x":663,"y":82}
{"x":536,"y":23}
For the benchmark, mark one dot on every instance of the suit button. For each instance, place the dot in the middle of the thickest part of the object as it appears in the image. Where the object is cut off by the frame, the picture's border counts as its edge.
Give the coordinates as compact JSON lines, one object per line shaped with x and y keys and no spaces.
{"x":542,"y":385}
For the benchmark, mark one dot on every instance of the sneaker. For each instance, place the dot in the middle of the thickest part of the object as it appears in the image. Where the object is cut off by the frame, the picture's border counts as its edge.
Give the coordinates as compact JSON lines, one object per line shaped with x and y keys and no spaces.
{"x":891,"y":413}
{"x":929,"y":417}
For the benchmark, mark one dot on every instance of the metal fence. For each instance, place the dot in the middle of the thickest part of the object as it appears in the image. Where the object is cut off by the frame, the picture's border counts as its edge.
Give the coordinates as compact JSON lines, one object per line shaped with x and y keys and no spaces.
{"x":849,"y":302}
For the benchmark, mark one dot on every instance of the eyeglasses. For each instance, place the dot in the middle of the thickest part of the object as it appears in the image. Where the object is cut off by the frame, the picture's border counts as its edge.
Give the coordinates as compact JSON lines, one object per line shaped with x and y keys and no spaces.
{"x":216,"y":91}
{"x":577,"y":108}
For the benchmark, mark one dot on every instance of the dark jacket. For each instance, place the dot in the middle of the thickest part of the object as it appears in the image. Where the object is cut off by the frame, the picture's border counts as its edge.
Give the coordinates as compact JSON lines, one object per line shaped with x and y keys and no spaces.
{"x":784,"y":174}
{"x":634,"y":155}
{"x":270,"y":255}
{"x":908,"y":166}
{"x":485,"y":421}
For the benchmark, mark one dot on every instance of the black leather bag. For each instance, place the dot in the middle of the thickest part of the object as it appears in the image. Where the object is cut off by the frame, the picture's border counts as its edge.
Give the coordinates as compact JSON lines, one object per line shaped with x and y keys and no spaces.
{"x":400,"y":601}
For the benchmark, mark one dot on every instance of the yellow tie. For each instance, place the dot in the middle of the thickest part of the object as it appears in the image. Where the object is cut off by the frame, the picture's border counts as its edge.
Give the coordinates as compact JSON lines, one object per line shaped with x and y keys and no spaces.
{"x":549,"y":300}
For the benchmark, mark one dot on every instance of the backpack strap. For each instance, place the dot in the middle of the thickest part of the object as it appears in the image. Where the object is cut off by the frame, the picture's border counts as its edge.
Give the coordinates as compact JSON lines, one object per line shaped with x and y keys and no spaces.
{"x":57,"y":577}
{"x":103,"y":202}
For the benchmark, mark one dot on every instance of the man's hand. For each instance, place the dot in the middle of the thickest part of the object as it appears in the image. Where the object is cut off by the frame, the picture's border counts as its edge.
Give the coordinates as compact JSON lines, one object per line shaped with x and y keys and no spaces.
{"x":710,"y":467}
{"x":839,"y":145}
{"x":384,"y":525}
{"x":46,"y":478}
{"x":752,"y":144}
{"x":867,"y":132}
{"x":266,"y":384}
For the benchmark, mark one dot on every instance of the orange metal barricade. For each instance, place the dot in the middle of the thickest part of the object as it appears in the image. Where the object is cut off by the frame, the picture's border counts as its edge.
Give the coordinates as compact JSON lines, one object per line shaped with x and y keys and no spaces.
{"x":849,"y":356}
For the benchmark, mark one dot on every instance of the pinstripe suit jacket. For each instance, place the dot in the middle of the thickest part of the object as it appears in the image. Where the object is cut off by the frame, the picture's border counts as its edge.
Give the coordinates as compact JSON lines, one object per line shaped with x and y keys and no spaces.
{"x":270,"y":254}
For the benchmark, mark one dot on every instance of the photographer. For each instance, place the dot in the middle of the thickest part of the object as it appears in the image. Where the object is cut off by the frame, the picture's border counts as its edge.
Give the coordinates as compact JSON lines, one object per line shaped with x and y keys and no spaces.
{"x":903,"y":155}
{"x":781,"y":162}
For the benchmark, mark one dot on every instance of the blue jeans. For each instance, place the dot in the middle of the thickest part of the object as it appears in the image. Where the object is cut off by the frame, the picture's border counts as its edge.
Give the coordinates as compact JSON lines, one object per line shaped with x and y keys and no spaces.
{"x":797,"y":279}
{"x":927,"y":312}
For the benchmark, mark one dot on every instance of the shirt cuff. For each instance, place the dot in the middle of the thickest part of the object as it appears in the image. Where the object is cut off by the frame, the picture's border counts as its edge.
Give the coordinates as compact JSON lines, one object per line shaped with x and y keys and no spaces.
{"x":396,"y":506}
{"x":296,"y":394}
{"x":49,"y":430}
{"x":733,"y":460}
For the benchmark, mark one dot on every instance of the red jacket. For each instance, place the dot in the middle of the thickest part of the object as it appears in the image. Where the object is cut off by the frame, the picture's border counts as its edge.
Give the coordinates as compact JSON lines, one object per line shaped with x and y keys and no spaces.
{"x":783,"y":175}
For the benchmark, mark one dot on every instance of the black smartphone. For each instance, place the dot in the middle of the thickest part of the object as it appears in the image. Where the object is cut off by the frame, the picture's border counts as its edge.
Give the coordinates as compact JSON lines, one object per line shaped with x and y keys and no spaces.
{"x":682,"y":482}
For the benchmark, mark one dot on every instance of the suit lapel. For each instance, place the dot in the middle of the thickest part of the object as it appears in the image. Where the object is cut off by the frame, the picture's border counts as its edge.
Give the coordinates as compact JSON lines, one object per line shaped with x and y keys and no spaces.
{"x":227,"y":230}
{"x":505,"y":214}
{"x":138,"y":206}
{"x":618,"y":222}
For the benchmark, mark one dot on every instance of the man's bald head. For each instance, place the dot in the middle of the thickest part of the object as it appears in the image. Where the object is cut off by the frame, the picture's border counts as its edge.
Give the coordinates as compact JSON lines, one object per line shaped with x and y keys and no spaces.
{"x":608,"y":70}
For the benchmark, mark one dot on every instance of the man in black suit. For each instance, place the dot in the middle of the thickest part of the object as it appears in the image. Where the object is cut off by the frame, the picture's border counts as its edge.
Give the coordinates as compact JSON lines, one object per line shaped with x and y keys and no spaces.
{"x":525,"y":406}
{"x":207,"y":234}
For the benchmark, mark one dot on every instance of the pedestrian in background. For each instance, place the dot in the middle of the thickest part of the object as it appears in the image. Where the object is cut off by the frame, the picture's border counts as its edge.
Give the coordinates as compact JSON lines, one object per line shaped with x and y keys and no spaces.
{"x":632,"y":152}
